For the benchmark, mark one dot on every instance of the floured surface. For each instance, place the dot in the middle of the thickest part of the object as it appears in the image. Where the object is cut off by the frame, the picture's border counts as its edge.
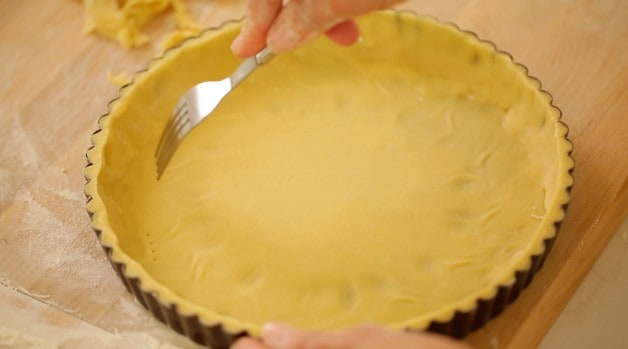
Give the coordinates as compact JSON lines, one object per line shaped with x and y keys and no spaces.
{"x":28,"y":322}
{"x":54,"y":276}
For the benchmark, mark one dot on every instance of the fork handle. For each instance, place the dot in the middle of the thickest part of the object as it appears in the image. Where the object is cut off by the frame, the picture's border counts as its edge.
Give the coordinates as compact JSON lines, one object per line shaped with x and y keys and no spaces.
{"x":249,"y":65}
{"x":264,"y":56}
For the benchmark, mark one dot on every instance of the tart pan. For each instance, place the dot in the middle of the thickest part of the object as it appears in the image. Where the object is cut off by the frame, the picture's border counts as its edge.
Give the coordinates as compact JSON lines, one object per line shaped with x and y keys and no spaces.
{"x":218,"y":330}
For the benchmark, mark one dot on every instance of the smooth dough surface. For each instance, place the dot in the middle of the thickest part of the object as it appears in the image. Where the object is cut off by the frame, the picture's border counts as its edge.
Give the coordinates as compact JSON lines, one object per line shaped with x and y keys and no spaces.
{"x":392,"y":182}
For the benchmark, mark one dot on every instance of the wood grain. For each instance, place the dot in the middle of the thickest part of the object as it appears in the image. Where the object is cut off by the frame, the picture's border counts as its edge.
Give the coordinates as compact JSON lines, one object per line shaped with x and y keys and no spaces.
{"x":54,"y":87}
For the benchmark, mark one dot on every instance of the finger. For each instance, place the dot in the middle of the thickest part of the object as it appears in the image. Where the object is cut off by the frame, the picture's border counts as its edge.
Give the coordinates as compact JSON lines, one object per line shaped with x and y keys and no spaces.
{"x":280,"y":336}
{"x":344,"y":33}
{"x":352,"y":8}
{"x":260,"y":15}
{"x":302,"y":20}
{"x":298,"y":22}
{"x":248,"y":343}
{"x":385,"y":338}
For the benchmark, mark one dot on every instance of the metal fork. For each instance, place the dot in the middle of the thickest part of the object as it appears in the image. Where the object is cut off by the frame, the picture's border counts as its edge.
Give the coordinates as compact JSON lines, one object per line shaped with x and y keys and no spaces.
{"x":197,"y":104}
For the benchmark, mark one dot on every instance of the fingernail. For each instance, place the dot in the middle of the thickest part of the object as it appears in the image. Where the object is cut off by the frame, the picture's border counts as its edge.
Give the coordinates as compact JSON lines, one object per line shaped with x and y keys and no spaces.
{"x":276,"y":335}
{"x":236,"y":45}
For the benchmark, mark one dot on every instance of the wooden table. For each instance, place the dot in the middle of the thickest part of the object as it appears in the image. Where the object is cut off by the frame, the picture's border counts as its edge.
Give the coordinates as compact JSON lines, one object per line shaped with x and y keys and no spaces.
{"x":56,"y":286}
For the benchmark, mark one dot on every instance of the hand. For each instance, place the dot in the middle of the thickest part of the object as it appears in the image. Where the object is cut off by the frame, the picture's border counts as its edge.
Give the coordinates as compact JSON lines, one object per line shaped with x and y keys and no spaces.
{"x":283,"y":28}
{"x":278,"y":336}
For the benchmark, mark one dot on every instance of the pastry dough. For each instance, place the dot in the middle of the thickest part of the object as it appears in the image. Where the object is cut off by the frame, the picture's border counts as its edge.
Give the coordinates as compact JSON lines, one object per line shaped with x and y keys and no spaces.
{"x":123,"y":20}
{"x":396,"y":182}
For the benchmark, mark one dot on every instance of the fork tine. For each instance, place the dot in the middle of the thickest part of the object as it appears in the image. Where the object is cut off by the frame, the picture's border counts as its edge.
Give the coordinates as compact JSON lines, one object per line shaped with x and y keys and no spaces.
{"x":167,"y":131}
{"x":171,"y":137}
{"x":172,"y":144}
{"x":203,"y":99}
{"x":175,"y":131}
{"x":172,"y":132}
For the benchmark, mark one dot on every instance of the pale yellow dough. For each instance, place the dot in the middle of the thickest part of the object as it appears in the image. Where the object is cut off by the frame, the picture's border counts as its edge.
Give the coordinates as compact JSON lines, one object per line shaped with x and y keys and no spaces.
{"x":123,"y":20}
{"x":393,"y":182}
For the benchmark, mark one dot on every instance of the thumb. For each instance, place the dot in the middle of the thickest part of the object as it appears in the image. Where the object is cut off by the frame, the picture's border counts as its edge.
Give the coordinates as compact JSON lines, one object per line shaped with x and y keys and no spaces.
{"x":279,"y":336}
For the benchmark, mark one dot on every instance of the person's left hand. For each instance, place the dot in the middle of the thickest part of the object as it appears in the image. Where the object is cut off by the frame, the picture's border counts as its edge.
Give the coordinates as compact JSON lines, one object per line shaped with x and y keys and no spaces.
{"x":279,"y":336}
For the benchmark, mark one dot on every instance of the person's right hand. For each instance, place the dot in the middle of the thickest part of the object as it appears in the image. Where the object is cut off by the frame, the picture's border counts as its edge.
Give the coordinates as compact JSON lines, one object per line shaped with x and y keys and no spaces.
{"x":278,"y":336}
{"x":285,"y":27}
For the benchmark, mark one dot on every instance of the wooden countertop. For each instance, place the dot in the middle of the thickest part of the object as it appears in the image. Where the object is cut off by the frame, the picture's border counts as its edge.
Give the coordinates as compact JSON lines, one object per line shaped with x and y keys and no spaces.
{"x":56,"y":286}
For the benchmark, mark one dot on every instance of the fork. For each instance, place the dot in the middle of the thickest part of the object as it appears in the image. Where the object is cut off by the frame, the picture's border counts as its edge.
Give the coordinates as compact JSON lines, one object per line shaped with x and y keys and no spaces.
{"x":198,"y":103}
